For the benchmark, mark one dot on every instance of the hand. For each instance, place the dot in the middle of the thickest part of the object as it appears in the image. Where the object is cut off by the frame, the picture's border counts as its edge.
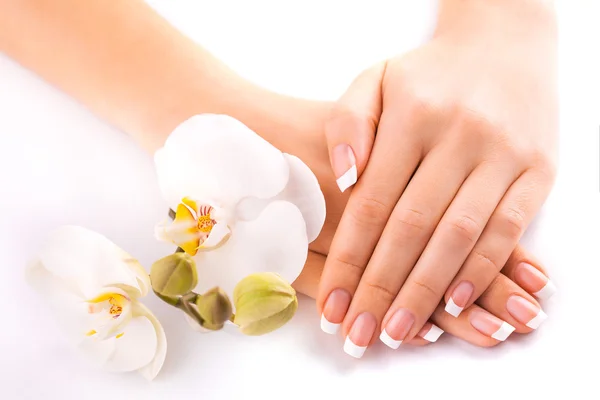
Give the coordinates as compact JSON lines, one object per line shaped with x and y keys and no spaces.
{"x":481,"y":323}
{"x":463,"y":159}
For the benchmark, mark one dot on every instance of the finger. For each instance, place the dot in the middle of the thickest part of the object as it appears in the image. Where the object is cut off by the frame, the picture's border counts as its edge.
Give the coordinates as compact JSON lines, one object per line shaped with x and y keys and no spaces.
{"x":350,"y":130}
{"x":487,"y":330}
{"x":451,"y":242}
{"x":308,"y":281}
{"x":500,"y":236}
{"x":509,"y":302}
{"x":527,"y":272}
{"x":407,"y":232}
{"x":475,"y":325}
{"x":394,"y":160}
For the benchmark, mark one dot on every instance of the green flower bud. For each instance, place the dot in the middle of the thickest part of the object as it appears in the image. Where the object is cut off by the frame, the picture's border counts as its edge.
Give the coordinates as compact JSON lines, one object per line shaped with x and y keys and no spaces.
{"x":263,"y":302}
{"x":214,"y":307}
{"x":174,"y":275}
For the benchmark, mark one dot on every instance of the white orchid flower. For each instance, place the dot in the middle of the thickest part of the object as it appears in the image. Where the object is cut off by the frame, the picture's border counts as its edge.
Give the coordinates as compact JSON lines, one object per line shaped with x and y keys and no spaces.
{"x":242,"y":206}
{"x":93,"y":288}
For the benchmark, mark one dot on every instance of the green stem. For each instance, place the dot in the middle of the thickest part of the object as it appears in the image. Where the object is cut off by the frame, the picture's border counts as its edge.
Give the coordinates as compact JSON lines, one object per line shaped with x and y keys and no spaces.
{"x":184,"y":303}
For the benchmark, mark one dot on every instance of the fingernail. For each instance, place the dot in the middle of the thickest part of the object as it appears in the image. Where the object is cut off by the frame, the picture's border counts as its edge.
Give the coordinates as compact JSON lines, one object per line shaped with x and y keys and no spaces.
{"x":397,"y":328}
{"x":489,"y":325}
{"x":534,"y":281}
{"x":344,"y":166}
{"x":430,"y":332}
{"x":360,"y":335}
{"x":459,"y":299}
{"x":525,"y":312}
{"x":335,"y":310}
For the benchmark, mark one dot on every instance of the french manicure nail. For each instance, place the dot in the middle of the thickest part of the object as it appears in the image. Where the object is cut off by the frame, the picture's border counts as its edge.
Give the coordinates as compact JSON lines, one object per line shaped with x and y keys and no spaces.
{"x":525,"y":312}
{"x":489,"y":325}
{"x":335,"y":310}
{"x":360,"y":335}
{"x":534,"y":281}
{"x":430,"y":332}
{"x":397,"y":328}
{"x":344,"y":166}
{"x":459,"y":299}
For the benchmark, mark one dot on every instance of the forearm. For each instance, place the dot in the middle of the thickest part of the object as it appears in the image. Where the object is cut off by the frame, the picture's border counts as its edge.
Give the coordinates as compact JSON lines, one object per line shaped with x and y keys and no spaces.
{"x":131,"y":67}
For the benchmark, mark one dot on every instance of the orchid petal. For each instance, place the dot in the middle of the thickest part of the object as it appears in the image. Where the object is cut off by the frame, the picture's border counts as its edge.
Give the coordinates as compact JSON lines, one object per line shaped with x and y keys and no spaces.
{"x":302,"y":190}
{"x":273,"y":242}
{"x":66,"y":306}
{"x":89,"y":261}
{"x":218,"y":160}
{"x":96,"y":351}
{"x":150,"y":370}
{"x":136,"y":348}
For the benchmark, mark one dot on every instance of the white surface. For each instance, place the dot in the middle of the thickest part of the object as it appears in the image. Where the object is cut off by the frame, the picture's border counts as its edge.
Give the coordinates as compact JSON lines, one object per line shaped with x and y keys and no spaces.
{"x":59,"y":164}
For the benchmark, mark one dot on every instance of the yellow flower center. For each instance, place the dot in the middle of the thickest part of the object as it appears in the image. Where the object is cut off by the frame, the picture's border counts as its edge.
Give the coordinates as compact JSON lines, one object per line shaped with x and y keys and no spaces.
{"x":193,"y":224}
{"x":113,"y":302}
{"x":107,"y":307}
{"x":205,"y":223}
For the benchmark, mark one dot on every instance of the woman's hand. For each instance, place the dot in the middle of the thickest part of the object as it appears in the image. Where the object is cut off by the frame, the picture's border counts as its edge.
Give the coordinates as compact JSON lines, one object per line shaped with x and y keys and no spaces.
{"x":463,"y":159}
{"x":508,"y":298}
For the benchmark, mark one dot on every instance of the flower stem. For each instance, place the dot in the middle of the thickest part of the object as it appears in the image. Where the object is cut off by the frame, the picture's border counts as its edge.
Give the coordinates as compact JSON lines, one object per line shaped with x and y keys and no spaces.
{"x":185,"y":304}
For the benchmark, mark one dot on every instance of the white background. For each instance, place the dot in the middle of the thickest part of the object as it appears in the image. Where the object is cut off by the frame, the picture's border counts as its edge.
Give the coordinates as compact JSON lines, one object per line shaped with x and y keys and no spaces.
{"x":59,"y":164}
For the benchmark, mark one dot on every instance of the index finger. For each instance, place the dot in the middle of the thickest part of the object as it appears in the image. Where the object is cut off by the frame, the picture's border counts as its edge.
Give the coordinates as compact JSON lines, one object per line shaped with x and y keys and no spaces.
{"x":394,"y":159}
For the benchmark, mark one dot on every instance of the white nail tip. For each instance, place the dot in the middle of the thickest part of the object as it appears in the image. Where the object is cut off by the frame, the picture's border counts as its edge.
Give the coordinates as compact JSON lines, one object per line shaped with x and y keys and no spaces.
{"x":348,"y":179}
{"x":329,"y":327}
{"x":353,"y":350}
{"x":503,"y":332}
{"x":433,"y":334}
{"x":388,"y":341}
{"x":452,"y":308}
{"x":546,"y":292}
{"x":537,"y":320}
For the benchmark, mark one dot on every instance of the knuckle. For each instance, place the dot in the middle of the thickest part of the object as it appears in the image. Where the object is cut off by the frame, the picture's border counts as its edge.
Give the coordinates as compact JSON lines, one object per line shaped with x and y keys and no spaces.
{"x":410,"y":222}
{"x":426,"y":290}
{"x":545,"y":165}
{"x":464,"y":228}
{"x":485,"y":263}
{"x":474,"y":126}
{"x":512,"y":222}
{"x":366,"y":210}
{"x":346,"y":261}
{"x":343,"y":118}
{"x":380,"y":292}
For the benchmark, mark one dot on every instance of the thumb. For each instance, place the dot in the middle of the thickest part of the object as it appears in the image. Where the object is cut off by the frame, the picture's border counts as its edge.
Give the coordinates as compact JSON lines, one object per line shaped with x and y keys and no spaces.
{"x":351,"y":127}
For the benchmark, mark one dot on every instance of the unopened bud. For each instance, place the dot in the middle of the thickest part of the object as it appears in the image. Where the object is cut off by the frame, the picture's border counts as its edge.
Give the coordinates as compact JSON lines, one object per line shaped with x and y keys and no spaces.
{"x":174,"y":275}
{"x":215,"y":308}
{"x":263,"y":302}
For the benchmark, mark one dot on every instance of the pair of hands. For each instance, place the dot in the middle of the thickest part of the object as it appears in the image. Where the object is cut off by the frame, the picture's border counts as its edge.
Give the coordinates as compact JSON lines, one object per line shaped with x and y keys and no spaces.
{"x":455,"y":147}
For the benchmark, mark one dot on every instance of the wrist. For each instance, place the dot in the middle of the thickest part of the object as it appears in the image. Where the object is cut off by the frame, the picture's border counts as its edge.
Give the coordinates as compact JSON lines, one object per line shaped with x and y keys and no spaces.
{"x":519,"y":18}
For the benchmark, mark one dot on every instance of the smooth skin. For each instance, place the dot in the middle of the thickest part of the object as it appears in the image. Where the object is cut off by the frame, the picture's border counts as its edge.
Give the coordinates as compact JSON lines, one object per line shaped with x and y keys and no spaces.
{"x":455,"y":145}
{"x":130,"y":67}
